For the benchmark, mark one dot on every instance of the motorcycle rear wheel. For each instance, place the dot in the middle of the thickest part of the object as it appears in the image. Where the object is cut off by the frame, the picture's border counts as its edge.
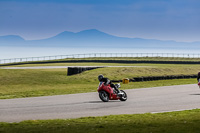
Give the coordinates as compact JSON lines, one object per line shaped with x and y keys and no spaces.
{"x":104,"y":96}
{"x":124,"y":96}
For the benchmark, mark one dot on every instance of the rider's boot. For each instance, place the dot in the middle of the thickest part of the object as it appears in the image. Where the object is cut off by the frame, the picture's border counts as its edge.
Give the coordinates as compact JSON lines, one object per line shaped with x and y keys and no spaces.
{"x":119,"y":93}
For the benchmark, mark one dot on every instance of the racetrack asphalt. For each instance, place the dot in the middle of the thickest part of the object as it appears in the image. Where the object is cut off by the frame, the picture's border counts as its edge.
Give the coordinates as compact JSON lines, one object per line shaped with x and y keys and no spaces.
{"x":145,"y":100}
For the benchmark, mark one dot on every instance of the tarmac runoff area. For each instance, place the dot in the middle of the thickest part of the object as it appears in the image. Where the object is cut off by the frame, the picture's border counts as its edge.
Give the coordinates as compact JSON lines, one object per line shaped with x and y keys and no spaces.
{"x":145,"y":100}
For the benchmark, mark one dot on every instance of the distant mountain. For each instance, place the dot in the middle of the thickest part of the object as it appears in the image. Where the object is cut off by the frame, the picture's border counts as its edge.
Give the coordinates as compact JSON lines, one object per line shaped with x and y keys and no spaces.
{"x":93,"y":38}
{"x":11,"y":40}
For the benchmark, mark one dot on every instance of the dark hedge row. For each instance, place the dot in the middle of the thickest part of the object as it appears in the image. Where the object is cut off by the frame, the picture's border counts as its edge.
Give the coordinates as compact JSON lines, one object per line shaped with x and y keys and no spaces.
{"x":152,"y":78}
{"x":77,"y":70}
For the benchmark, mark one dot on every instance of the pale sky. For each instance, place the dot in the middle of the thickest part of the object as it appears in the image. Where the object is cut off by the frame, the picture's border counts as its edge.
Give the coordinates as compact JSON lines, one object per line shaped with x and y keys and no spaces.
{"x":177,"y":20}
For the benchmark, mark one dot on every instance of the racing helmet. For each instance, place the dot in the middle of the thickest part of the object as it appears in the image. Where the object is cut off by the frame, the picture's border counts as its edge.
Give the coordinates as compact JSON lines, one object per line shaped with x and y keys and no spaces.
{"x":100,"y":77}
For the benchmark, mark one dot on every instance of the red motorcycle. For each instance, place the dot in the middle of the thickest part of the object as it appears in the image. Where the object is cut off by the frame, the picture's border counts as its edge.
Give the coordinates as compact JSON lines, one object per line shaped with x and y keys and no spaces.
{"x":107,"y":93}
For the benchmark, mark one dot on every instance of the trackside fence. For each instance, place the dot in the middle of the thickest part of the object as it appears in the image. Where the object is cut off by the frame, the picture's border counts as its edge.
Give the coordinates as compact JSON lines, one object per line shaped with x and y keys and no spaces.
{"x":95,"y":55}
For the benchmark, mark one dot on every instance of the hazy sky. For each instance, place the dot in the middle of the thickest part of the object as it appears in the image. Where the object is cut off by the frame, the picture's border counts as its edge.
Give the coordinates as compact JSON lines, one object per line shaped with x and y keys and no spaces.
{"x":154,"y":19}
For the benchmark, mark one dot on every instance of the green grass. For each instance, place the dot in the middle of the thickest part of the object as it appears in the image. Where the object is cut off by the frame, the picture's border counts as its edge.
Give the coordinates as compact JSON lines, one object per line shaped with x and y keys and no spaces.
{"x":171,"y":122}
{"x":107,"y":58}
{"x":44,"y":82}
{"x":74,"y":64}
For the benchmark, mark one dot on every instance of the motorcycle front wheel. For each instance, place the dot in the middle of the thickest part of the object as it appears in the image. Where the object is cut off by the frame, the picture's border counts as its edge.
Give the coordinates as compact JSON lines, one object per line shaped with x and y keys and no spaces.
{"x":103,"y":96}
{"x":124,"y":96}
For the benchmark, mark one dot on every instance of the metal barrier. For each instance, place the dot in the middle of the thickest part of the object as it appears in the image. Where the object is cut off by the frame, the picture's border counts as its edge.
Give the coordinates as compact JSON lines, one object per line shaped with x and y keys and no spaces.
{"x":95,"y":55}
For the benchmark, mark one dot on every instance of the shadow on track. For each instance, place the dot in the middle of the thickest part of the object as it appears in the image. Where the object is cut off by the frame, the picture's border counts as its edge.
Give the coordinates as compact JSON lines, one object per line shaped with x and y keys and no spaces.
{"x":104,"y":102}
{"x":94,"y":102}
{"x":195,"y":94}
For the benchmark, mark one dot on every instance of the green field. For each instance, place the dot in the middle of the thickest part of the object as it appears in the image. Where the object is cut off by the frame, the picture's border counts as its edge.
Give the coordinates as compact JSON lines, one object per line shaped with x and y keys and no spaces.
{"x":172,"y":122}
{"x":40,"y":63}
{"x":44,"y":82}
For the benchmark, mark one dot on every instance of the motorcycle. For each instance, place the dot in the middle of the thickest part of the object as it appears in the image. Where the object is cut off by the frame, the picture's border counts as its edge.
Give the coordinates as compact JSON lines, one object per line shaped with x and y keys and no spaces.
{"x":106,"y":93}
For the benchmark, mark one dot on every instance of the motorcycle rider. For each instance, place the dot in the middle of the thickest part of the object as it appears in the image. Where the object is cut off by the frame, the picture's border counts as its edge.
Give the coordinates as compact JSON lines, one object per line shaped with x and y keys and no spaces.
{"x":106,"y":81}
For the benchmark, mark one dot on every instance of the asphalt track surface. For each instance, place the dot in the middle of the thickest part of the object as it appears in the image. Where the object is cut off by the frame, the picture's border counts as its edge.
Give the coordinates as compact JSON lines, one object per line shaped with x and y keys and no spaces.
{"x":146,"y":100}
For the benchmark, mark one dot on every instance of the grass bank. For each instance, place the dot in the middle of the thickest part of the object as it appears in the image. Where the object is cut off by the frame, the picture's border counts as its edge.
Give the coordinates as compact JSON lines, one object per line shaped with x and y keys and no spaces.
{"x":171,"y":122}
{"x":62,"y":61}
{"x":44,"y":82}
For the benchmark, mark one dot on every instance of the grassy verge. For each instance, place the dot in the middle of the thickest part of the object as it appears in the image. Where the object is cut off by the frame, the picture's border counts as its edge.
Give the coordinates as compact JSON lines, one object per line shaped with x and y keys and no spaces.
{"x":74,"y":64}
{"x":102,"y":58}
{"x":43,"y":82}
{"x":171,"y":122}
